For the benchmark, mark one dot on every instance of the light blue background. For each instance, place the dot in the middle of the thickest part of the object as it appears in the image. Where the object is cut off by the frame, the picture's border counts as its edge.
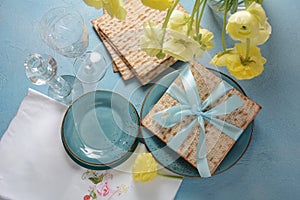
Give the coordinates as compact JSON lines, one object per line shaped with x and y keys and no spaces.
{"x":270,"y":167}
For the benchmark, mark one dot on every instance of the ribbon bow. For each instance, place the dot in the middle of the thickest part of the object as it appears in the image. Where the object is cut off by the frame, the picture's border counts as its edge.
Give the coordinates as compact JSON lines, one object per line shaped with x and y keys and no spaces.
{"x":190,"y":105}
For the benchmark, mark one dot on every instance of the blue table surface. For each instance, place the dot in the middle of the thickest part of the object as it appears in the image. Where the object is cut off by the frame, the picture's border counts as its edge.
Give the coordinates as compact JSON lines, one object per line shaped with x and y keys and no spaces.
{"x":270,"y":167}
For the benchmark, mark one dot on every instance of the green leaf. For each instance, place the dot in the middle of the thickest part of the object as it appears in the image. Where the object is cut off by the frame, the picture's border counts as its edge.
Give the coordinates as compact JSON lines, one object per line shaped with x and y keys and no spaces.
{"x":93,"y":195}
{"x":97,"y":180}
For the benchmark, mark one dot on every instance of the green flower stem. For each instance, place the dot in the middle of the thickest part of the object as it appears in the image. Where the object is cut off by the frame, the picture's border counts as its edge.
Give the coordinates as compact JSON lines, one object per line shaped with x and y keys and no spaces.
{"x":200,"y":17}
{"x":195,"y":10}
{"x":224,"y":25}
{"x":170,"y":176}
{"x":247,"y":3}
{"x":169,"y":13}
{"x":247,"y":49}
{"x":197,"y":20}
{"x":164,"y":27}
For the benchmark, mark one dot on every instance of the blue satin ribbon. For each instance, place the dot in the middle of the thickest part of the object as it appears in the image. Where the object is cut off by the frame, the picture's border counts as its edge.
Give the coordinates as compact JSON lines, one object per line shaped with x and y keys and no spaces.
{"x":190,"y":105}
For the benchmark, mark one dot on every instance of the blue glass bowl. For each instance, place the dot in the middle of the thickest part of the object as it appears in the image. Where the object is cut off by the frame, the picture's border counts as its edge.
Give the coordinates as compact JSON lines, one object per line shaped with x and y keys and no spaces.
{"x":170,"y":159}
{"x":100,"y":129}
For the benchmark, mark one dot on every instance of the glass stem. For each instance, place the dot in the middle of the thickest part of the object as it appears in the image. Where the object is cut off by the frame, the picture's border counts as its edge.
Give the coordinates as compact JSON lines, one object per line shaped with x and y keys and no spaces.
{"x":60,"y":86}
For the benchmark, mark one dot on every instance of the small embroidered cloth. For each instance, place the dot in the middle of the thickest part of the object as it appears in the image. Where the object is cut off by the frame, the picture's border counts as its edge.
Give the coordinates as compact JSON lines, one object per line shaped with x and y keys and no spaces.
{"x":34,"y":164}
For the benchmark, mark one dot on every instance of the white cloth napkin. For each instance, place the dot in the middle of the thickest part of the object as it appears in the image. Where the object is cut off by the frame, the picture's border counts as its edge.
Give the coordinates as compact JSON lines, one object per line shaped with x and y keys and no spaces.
{"x":34,"y":164}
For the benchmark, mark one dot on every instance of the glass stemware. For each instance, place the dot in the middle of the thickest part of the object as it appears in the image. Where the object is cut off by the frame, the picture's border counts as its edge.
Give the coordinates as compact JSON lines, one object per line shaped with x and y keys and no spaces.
{"x":41,"y":70}
{"x":64,"y":30}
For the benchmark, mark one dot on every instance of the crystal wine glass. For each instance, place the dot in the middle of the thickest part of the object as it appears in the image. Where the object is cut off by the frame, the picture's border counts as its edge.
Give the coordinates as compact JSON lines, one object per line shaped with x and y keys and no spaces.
{"x":64,"y":30}
{"x":42,"y":69}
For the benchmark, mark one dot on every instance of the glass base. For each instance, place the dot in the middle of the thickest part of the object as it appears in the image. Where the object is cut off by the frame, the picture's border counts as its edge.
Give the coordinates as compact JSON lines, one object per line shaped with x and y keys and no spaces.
{"x":91,"y":67}
{"x":76,"y":91}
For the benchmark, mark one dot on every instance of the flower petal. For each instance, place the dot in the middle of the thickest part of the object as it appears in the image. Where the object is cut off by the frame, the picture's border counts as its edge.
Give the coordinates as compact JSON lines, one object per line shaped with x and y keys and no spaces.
{"x":242,"y":25}
{"x":158,"y":4}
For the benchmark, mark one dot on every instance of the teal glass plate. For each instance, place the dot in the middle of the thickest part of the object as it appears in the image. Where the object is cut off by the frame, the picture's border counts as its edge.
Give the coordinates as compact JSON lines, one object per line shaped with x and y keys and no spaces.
{"x":100,"y":130}
{"x":170,"y":159}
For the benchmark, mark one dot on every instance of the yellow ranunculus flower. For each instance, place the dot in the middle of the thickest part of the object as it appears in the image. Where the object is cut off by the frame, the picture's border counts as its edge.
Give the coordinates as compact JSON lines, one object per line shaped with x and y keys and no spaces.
{"x":181,"y":46}
{"x":240,"y":69}
{"x":144,"y":168}
{"x":179,"y":21}
{"x":242,"y":25}
{"x":151,"y":41}
{"x":158,"y":4}
{"x":94,"y":3}
{"x":206,"y":39}
{"x":251,"y":23}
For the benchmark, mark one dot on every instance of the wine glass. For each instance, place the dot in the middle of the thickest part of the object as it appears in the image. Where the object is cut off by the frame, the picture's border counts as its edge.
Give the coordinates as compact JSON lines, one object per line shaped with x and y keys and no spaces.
{"x":41,"y":69}
{"x":63,"y":29}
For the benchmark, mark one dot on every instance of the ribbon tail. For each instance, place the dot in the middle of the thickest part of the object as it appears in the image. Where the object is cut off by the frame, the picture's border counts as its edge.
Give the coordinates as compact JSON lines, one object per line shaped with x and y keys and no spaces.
{"x":229,"y":129}
{"x":226,"y":107}
{"x":177,"y":93}
{"x":221,"y":90}
{"x":202,"y":163}
{"x":190,"y":88}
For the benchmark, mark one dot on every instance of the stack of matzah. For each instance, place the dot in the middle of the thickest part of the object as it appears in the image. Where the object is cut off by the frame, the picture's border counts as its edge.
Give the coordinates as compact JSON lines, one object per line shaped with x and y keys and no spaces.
{"x":218,"y":143}
{"x":121,"y":39}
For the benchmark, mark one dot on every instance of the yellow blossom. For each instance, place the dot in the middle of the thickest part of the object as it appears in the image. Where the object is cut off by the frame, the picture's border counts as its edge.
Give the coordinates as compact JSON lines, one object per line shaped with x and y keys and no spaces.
{"x":242,"y":25}
{"x":181,"y":46}
{"x":144,"y":168}
{"x":158,"y":4}
{"x":179,"y":21}
{"x":240,"y":67}
{"x":206,"y":39}
{"x":251,"y":23}
{"x":205,"y":42}
{"x":151,"y":41}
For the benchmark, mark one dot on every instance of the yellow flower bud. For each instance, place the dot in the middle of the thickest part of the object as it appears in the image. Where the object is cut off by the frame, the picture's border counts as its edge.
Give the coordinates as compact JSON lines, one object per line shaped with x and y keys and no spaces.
{"x":144,"y":168}
{"x":242,"y":25}
{"x":179,"y":21}
{"x":158,"y":4}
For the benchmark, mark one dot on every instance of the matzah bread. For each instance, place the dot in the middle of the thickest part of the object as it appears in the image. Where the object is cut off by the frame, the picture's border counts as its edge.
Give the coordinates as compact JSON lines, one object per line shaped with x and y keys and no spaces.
{"x":218,"y":144}
{"x":123,"y":38}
